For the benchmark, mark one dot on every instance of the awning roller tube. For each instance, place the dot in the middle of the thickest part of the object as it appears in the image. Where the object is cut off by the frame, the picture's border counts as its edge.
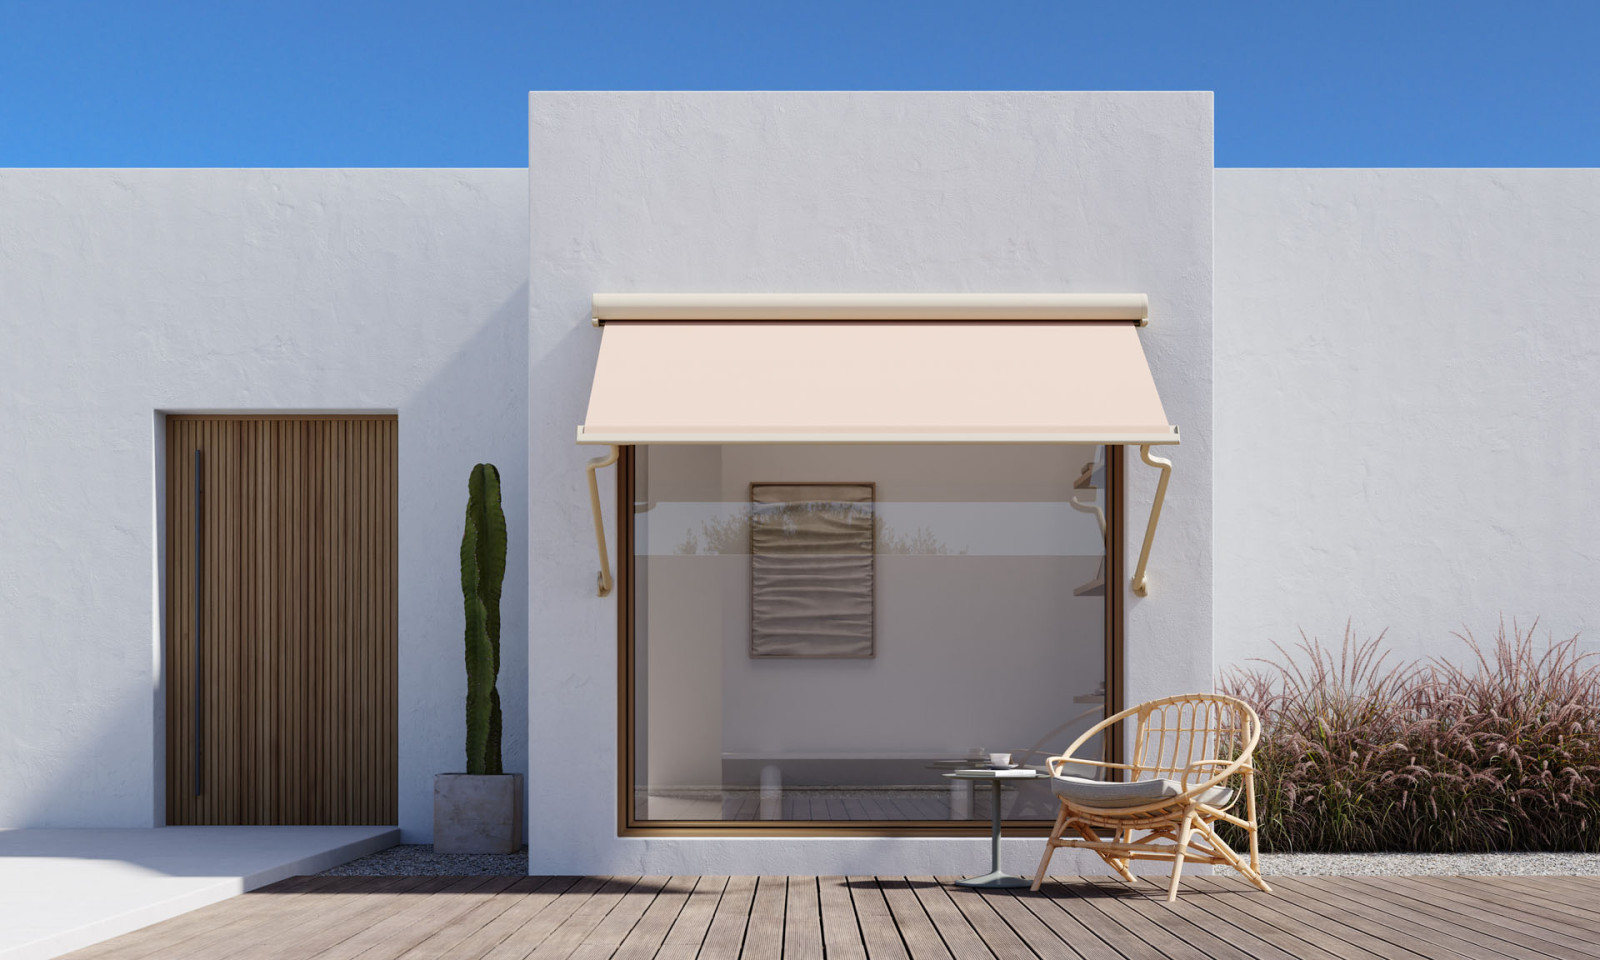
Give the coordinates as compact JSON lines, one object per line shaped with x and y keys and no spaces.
{"x":868,"y":307}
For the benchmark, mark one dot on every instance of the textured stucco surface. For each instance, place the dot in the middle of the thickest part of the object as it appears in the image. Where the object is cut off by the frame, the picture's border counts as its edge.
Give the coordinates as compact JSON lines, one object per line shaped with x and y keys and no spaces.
{"x":1405,"y":405}
{"x":842,"y":192}
{"x":128,"y":292}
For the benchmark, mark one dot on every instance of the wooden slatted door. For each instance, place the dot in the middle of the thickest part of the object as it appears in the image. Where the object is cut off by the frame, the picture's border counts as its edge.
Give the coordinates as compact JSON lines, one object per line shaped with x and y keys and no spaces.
{"x":281,"y":546}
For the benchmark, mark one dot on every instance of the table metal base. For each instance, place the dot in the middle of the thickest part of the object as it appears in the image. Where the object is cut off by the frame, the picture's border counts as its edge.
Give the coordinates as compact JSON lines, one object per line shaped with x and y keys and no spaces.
{"x":995,"y":878}
{"x":995,"y":881}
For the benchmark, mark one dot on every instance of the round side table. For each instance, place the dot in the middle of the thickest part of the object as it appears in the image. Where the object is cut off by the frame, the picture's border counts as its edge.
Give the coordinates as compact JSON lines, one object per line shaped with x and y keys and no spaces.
{"x":995,"y":877}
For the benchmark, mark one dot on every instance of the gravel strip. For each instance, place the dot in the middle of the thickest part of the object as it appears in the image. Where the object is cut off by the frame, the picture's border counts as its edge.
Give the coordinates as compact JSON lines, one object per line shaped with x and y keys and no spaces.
{"x":419,"y":860}
{"x":1427,"y":864}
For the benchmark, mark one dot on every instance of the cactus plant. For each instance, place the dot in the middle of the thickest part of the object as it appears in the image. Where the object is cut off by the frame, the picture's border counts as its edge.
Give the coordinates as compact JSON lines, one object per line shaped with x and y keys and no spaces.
{"x":483,"y":570}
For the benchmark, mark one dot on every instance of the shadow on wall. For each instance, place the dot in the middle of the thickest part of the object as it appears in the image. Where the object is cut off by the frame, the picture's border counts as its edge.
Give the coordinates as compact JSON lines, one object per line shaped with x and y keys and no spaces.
{"x":473,"y":410}
{"x":61,"y":778}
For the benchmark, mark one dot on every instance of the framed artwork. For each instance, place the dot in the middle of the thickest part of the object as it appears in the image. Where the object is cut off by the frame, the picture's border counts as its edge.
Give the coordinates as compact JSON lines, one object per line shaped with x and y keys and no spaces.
{"x":811,"y":569}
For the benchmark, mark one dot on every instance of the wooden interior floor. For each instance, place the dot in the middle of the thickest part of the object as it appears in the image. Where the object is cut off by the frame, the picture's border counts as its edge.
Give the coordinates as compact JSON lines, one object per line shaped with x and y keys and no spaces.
{"x":855,"y":918}
{"x":882,"y":803}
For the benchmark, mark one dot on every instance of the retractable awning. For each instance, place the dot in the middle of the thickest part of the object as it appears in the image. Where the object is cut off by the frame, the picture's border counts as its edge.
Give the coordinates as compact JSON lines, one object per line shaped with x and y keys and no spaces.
{"x":959,"y":368}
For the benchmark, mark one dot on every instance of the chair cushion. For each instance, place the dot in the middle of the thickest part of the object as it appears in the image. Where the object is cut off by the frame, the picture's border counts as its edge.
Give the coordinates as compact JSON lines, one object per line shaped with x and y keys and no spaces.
{"x":1110,"y":795}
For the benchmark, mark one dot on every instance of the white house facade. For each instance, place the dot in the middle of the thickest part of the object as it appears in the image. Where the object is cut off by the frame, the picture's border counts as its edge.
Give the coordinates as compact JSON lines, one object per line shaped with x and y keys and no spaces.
{"x":1378,"y":379}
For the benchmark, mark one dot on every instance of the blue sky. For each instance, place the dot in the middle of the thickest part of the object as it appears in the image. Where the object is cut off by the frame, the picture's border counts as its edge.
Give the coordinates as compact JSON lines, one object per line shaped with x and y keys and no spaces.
{"x":398,"y":83}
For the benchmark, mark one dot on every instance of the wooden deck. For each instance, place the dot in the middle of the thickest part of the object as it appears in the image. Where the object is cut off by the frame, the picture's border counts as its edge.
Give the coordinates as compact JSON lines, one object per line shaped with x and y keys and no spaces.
{"x":883,"y":918}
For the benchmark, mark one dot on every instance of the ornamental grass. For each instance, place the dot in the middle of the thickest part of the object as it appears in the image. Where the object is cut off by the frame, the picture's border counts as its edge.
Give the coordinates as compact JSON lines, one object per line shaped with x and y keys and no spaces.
{"x":1495,"y":750}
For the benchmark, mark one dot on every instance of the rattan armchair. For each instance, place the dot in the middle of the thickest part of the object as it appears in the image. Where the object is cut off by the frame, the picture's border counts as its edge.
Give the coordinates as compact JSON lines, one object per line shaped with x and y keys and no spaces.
{"x":1190,"y":766}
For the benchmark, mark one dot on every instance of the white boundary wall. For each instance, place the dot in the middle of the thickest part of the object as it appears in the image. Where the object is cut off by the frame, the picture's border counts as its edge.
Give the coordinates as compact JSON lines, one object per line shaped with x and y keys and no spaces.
{"x":128,"y":292}
{"x":843,"y":192}
{"x":1407,"y":380}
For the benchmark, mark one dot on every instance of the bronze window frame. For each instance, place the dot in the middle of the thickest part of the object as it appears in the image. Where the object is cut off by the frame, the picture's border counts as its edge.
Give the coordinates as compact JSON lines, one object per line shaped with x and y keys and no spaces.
{"x":629,"y":826}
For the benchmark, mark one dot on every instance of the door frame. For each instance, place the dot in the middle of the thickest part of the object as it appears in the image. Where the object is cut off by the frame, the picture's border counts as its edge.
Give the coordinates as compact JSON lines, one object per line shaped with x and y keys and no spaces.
{"x":159,"y":555}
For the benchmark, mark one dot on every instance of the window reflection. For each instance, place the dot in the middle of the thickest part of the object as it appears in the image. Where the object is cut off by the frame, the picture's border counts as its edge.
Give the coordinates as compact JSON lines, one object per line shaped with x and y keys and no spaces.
{"x":987,"y":620}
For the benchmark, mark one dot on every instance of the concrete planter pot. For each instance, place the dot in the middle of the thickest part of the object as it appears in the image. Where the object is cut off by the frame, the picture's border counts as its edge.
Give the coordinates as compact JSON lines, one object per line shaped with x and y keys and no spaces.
{"x":477,"y":813}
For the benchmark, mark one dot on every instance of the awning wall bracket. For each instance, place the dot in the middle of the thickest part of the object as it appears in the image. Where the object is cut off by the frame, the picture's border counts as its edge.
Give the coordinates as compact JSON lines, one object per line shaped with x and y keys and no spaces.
{"x":1141,"y":584}
{"x":605,"y":580}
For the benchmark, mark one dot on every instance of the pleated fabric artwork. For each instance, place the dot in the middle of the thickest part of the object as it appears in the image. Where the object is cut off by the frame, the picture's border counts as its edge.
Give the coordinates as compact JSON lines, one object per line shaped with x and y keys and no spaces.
{"x":811,"y":569}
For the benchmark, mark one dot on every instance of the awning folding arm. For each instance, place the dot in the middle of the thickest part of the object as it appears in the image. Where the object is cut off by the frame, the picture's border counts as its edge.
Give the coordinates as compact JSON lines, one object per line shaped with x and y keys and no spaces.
{"x":1141,"y":584}
{"x":606,"y":582}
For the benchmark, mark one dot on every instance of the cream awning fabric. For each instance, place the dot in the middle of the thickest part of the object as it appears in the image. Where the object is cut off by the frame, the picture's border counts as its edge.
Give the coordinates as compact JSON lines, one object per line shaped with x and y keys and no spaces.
{"x":873,"y":368}
{"x":840,"y":381}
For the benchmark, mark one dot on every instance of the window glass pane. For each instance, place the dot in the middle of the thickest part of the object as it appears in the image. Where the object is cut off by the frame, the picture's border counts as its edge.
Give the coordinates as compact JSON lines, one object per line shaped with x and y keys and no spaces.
{"x":822,"y":632}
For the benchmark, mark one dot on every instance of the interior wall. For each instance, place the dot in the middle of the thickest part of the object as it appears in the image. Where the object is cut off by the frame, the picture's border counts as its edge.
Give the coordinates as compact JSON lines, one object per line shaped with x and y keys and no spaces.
{"x":847,"y":192}
{"x":126,"y":293}
{"x":1405,"y":406}
{"x":1016,"y":635}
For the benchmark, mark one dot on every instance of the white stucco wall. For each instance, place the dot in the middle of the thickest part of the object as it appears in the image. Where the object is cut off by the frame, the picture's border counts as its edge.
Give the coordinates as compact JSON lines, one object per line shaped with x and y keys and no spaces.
{"x":921,"y":192}
{"x":128,"y":292}
{"x":1405,"y":405}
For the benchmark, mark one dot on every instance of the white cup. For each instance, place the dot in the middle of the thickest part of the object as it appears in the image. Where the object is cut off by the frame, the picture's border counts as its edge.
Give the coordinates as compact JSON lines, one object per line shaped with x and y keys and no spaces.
{"x":1000,"y":759}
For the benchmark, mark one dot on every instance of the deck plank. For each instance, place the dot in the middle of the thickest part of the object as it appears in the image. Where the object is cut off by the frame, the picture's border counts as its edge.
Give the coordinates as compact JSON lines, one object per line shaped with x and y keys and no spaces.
{"x":725,"y":939}
{"x":1240,"y":904}
{"x":954,"y":929}
{"x":802,"y":921}
{"x":992,"y":929}
{"x":607,"y":935}
{"x":522,"y":917}
{"x":1066,"y":940}
{"x":1285,"y":908}
{"x":1552,"y":906}
{"x":878,"y":931}
{"x":1528,"y":931}
{"x":688,"y":931}
{"x":563,"y":928}
{"x":1357,"y":896}
{"x":1136,"y":901}
{"x":1576,"y":890}
{"x":1059,"y":893}
{"x":1236,"y":918}
{"x":397,"y":930}
{"x":223,"y":922}
{"x":1117,"y":905}
{"x":151,"y":940}
{"x":763,"y":938}
{"x":644,"y":940}
{"x":1588,"y":883}
{"x":237,"y":922}
{"x":319,"y":925}
{"x":921,"y":937}
{"x":1416,"y":938}
{"x":841,"y":931}
{"x":488,"y":903}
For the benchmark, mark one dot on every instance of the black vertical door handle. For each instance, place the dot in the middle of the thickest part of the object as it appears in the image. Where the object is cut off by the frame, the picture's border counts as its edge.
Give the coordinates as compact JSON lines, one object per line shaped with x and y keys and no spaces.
{"x":199,"y":683}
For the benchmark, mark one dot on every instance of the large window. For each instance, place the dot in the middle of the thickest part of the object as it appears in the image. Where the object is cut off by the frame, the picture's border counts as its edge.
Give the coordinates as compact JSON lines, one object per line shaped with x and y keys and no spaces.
{"x":812,"y":636}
